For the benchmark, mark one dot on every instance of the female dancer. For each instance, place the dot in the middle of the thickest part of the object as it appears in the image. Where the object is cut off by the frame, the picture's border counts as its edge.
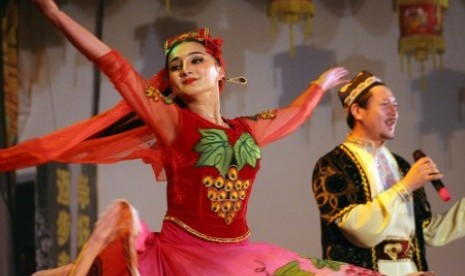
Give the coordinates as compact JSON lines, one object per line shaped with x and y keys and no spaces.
{"x":173,"y":122}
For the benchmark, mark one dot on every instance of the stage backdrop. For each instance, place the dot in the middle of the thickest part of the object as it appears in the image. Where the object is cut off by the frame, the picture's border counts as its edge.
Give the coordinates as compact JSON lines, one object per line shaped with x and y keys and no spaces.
{"x":358,"y":34}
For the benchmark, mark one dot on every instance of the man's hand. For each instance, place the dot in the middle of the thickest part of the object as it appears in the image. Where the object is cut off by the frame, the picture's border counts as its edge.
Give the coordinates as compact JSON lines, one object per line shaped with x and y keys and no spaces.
{"x":422,"y":171}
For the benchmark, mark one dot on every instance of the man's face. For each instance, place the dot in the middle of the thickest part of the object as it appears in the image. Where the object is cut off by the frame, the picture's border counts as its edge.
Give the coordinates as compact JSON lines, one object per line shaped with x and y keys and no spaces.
{"x":378,"y":120}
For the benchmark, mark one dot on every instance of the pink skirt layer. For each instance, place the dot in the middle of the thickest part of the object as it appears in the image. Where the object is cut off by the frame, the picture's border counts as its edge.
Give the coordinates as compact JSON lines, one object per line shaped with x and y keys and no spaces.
{"x":175,"y":252}
{"x":122,"y":244}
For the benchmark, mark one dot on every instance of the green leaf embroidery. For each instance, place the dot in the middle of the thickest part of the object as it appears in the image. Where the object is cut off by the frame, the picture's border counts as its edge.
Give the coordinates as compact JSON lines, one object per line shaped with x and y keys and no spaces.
{"x":292,"y":268}
{"x":246,"y":151}
{"x":321,"y":263}
{"x":215,"y":150}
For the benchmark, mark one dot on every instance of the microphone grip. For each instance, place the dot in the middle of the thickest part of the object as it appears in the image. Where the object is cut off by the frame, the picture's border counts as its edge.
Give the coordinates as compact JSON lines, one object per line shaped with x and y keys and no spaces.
{"x":437,"y":184}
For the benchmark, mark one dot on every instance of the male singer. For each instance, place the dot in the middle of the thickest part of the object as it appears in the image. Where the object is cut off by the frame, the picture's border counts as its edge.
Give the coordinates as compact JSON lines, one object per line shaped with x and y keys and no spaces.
{"x":374,"y":211}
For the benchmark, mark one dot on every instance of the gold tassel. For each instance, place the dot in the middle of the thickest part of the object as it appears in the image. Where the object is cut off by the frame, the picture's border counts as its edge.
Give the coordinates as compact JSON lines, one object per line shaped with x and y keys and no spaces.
{"x":423,"y":75}
{"x":167,"y":6}
{"x":291,"y":39}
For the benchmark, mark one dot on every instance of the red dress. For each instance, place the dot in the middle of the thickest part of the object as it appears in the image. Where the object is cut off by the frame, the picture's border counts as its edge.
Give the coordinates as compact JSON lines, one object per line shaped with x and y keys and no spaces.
{"x":210,"y":172}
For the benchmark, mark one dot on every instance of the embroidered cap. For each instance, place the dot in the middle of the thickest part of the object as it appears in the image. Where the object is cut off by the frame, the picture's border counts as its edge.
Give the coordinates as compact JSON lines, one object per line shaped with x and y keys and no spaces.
{"x":360,"y":83}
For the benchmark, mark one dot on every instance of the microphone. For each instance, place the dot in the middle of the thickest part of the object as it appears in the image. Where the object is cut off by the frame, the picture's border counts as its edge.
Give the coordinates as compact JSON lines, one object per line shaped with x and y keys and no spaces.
{"x":438,"y":185}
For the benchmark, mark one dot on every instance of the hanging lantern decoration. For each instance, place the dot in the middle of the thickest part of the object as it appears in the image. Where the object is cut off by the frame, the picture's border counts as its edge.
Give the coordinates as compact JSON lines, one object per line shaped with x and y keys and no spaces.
{"x":291,"y":12}
{"x":167,"y":6}
{"x":421,"y":25}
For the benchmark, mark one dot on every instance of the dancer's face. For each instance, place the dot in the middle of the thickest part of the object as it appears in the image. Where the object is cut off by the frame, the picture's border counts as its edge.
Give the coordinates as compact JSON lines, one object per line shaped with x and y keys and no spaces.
{"x":193,"y":71}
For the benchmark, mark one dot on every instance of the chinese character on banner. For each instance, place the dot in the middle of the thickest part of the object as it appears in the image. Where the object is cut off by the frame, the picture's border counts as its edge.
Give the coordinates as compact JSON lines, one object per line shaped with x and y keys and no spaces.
{"x":66,"y":211}
{"x":87,"y":203}
{"x":53,"y":219}
{"x":9,"y":110}
{"x":10,"y":25}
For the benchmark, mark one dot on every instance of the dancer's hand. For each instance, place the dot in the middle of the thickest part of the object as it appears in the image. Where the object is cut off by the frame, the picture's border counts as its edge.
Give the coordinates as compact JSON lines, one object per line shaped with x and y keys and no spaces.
{"x":332,"y":78}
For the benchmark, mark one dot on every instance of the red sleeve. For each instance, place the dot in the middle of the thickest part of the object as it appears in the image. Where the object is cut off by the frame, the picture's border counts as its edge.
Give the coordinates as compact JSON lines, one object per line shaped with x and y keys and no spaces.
{"x":158,"y":115}
{"x":83,"y":141}
{"x":274,"y":124}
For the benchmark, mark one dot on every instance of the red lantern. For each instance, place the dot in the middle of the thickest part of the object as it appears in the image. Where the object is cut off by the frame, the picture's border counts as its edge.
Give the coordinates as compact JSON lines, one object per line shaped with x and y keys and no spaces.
{"x":421,"y":24}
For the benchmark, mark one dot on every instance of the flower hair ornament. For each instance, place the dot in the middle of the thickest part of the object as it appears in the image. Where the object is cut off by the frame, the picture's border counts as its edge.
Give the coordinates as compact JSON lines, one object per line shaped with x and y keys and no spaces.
{"x":212,"y":45}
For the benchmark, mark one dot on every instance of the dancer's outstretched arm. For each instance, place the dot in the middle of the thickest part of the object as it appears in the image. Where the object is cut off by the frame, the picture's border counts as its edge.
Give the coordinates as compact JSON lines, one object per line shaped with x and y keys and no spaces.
{"x":88,"y":44}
